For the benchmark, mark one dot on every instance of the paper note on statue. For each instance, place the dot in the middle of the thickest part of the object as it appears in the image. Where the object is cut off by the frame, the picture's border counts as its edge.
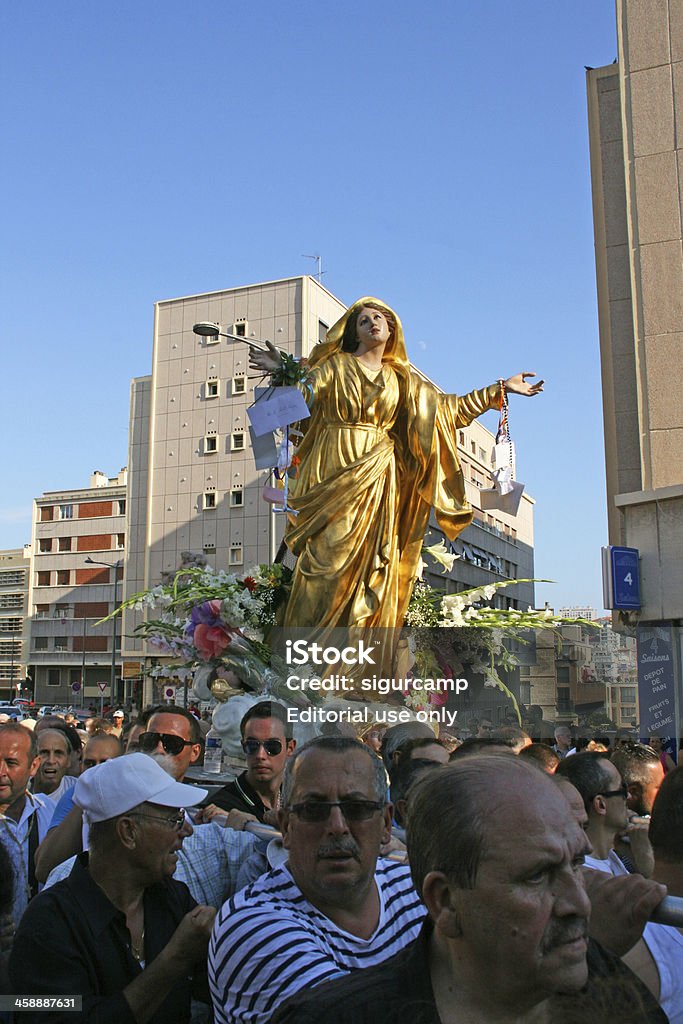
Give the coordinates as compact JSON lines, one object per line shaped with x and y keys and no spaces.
{"x":264,"y":450}
{"x":282,"y":407}
{"x":508,"y":502}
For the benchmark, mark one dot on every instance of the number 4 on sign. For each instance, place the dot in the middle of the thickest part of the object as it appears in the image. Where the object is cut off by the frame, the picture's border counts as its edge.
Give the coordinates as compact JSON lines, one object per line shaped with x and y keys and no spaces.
{"x":628,"y":578}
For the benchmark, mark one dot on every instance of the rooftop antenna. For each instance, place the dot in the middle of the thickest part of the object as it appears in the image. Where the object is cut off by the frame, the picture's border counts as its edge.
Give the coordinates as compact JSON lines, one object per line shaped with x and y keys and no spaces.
{"x":319,"y":260}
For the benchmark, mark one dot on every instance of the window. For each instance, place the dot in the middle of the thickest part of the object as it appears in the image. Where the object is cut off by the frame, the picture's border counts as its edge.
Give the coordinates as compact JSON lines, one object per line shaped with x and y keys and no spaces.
{"x":11,"y":600}
{"x":40,"y":643}
{"x":65,"y":543}
{"x":482,"y":454}
{"x":211,"y":444}
{"x":63,"y":577}
{"x":43,"y":579}
{"x":66,"y":511}
{"x":53,"y":677}
{"x":41,"y":610}
{"x":322,"y":330}
{"x":211,"y":388}
{"x":628,"y":694}
{"x":628,"y":711}
{"x":10,"y":625}
{"x":62,"y":611}
{"x":45,"y":544}
{"x":13,"y":578}
{"x":237,"y":442}
{"x":563,"y":673}
{"x":47,"y":514}
{"x":473,"y":446}
{"x":209,"y":499}
{"x":237,"y":498}
{"x":122,"y":506}
{"x":236,"y":554}
{"x":239,"y":385}
{"x":61,"y":643}
{"x":461,"y":438}
{"x":120,"y":541}
{"x":239,"y":328}
{"x":563,"y":698}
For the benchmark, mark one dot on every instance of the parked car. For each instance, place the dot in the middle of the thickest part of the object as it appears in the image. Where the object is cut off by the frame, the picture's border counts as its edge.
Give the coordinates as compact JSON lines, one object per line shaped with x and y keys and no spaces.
{"x":17,"y":714}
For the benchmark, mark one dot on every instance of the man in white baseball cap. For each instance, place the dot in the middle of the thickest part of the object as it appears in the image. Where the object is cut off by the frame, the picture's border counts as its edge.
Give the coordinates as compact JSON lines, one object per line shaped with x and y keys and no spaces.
{"x":119,"y":718}
{"x":119,"y":931}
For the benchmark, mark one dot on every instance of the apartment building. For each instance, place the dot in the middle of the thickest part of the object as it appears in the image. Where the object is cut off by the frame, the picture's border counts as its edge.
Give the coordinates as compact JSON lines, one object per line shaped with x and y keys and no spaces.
{"x":14,"y":625}
{"x":78,"y":550}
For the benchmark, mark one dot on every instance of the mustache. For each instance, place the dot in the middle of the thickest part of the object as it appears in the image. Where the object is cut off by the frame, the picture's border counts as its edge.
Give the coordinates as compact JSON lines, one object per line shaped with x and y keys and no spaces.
{"x":344,"y":845}
{"x":561,"y":932}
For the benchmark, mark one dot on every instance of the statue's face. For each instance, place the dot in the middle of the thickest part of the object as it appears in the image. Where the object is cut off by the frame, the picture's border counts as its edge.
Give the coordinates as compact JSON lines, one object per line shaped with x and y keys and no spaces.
{"x":372,"y":329}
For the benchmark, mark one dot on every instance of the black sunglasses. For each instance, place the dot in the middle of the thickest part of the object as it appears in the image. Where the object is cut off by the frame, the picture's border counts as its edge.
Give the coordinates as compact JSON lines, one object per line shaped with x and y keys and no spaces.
{"x":149,"y":741}
{"x":271,"y":747}
{"x":319,"y":810}
{"x":615,"y":792}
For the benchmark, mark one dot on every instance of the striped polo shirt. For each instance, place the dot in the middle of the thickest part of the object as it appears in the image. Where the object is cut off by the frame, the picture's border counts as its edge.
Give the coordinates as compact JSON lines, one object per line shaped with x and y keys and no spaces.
{"x":268,"y":942}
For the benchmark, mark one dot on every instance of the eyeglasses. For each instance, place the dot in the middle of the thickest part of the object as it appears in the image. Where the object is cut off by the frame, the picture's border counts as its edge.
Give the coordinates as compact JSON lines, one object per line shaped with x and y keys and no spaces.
{"x":175,"y":822}
{"x":623,"y":792}
{"x":319,"y":810}
{"x":149,"y":741}
{"x":271,"y":747}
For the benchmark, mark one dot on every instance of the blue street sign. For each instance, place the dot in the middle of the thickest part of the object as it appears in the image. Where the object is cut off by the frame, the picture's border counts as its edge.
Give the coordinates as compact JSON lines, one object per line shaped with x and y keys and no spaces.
{"x":625,"y":578}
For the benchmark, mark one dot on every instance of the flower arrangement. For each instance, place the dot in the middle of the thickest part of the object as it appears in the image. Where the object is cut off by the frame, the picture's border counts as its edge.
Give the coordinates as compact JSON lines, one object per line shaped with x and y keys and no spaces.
{"x":215,"y":621}
{"x":455,"y":632}
{"x":290,"y":372}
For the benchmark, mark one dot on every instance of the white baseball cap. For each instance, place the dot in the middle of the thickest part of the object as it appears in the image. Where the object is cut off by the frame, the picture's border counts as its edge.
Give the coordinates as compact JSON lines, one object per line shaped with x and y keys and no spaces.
{"x":118,"y":714}
{"x":118,"y":785}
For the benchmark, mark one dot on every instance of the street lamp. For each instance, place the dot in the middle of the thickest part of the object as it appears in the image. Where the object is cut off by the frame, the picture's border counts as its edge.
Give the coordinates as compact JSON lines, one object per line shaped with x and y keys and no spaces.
{"x":115,"y":567}
{"x":211,"y":329}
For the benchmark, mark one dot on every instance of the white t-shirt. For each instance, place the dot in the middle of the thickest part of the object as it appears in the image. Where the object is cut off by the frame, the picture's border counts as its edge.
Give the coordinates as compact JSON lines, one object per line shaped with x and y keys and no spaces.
{"x":68,"y":782}
{"x":612,"y":864}
{"x":666,"y":948}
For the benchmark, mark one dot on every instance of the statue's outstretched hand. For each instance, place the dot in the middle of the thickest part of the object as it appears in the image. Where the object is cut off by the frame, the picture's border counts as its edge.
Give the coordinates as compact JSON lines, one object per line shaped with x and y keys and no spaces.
{"x":517,"y":385}
{"x":265,"y":361}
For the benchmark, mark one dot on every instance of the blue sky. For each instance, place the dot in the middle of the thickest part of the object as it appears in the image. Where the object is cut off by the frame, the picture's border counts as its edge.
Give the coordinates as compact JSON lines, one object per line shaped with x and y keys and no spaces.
{"x":436,"y":155}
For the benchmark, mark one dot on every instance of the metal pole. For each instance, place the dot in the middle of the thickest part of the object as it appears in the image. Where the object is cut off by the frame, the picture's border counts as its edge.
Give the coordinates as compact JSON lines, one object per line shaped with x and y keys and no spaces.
{"x":112,"y":685}
{"x":83,"y":665}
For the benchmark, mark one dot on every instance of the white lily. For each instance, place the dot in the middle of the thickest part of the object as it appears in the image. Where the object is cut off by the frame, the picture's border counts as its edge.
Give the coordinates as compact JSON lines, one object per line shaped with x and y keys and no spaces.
{"x":440,"y":553}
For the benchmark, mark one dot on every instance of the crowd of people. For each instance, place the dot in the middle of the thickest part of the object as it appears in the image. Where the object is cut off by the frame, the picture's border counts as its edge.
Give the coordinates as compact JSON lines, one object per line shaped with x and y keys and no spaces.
{"x":359,"y":879}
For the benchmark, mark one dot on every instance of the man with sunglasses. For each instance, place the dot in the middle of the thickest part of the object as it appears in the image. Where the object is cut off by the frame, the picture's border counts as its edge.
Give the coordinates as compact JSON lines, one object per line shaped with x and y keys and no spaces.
{"x":267,"y":743}
{"x":173,"y":732}
{"x":604,"y":796}
{"x":119,"y":931}
{"x":332,"y":908}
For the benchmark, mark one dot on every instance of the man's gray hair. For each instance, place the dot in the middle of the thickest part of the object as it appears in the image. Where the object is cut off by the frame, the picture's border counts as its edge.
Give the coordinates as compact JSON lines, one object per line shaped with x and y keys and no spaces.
{"x":447,"y":813}
{"x":334,"y":745}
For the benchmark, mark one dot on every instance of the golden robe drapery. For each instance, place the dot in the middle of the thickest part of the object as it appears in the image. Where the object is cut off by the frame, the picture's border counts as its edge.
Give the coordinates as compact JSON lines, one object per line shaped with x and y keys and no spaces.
{"x":379,"y":452}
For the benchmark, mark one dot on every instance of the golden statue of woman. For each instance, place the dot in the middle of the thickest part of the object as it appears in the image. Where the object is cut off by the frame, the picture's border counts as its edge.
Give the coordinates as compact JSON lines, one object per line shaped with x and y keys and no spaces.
{"x":379,"y":451}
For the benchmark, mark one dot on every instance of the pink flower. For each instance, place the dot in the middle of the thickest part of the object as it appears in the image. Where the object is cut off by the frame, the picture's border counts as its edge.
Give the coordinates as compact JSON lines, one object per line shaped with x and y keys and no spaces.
{"x":211,"y":641}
